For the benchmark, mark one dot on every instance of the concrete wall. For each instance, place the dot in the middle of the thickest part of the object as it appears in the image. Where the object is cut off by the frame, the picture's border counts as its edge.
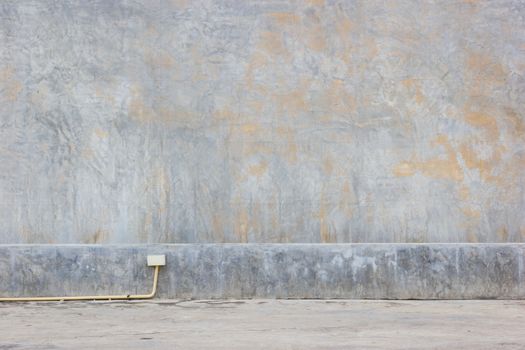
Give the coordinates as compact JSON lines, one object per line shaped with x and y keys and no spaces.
{"x":391,"y":271}
{"x":262,"y":121}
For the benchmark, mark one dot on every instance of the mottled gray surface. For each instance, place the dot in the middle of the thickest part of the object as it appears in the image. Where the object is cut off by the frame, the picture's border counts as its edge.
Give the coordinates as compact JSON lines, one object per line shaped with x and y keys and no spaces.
{"x":262,"y":121}
{"x":392,"y":271}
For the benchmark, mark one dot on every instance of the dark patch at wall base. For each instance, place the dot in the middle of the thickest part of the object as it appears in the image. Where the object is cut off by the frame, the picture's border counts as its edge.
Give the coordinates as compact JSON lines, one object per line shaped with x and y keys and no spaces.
{"x":326,"y":271}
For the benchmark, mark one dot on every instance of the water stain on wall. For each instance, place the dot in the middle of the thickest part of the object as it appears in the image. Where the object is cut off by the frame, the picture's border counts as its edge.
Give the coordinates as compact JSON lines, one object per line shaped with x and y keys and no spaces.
{"x":267,"y":121}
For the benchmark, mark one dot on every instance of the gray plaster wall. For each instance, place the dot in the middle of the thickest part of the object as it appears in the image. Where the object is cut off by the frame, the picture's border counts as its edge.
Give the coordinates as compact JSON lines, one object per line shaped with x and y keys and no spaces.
{"x":262,"y":121}
{"x":386,"y":271}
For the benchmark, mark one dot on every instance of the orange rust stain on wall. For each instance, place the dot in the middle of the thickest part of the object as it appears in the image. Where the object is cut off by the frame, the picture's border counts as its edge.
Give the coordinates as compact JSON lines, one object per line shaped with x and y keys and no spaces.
{"x":405,"y":169}
{"x":327,"y":233}
{"x":180,"y":3}
{"x":101,"y":133}
{"x":344,"y":27}
{"x":162,"y":60}
{"x":224,"y":114}
{"x":464,"y":193}
{"x":258,"y":169}
{"x":516,"y":124}
{"x":291,"y":152}
{"x":328,"y":165}
{"x":345,"y":203}
{"x":256,"y":148}
{"x":11,"y":86}
{"x":503,"y":234}
{"x":315,"y":40}
{"x":438,"y":168}
{"x":14,"y":90}
{"x":471,"y":213}
{"x":295,"y":100}
{"x":257,"y":106}
{"x":105,"y":95}
{"x":292,"y":102}
{"x":414,"y":86}
{"x":250,"y":129}
{"x":324,"y":227}
{"x":87,"y":153}
{"x":484,"y":122}
{"x":138,"y":110}
{"x":99,"y":236}
{"x":508,"y":179}
{"x":284,"y":18}
{"x":369,"y":48}
{"x":484,"y":165}
{"x":257,"y":61}
{"x":250,"y":138}
{"x":472,"y":237}
{"x":483,"y":73}
{"x":486,"y":67}
{"x":241,"y":224}
{"x":272,"y":43}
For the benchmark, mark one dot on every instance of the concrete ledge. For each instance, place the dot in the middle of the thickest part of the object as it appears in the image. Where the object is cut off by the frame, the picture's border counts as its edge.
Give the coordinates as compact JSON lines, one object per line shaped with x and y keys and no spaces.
{"x":372,"y":271}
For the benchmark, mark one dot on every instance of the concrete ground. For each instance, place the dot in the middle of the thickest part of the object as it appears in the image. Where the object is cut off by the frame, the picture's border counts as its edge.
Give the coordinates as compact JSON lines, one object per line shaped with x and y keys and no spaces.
{"x":264,"y":324}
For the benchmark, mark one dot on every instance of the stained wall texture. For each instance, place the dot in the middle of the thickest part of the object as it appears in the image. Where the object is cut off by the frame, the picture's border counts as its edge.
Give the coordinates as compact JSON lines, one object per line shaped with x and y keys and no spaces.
{"x":225,"y":271}
{"x":262,"y":121}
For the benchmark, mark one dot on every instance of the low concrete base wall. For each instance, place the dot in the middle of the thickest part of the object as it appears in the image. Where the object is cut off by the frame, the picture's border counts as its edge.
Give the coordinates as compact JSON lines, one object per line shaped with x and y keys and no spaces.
{"x":376,"y":271}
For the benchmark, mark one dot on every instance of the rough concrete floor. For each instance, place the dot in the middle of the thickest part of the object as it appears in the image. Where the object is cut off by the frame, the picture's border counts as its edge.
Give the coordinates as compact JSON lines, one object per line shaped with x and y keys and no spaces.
{"x":264,"y":324}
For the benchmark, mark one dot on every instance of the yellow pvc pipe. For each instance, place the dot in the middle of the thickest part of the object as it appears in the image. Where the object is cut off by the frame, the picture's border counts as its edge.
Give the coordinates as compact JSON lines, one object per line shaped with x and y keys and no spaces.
{"x":94,"y":297}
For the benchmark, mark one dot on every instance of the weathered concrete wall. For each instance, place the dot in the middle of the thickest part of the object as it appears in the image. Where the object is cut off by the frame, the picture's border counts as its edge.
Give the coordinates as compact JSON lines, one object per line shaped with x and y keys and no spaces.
{"x":392,"y":271}
{"x":262,"y":121}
